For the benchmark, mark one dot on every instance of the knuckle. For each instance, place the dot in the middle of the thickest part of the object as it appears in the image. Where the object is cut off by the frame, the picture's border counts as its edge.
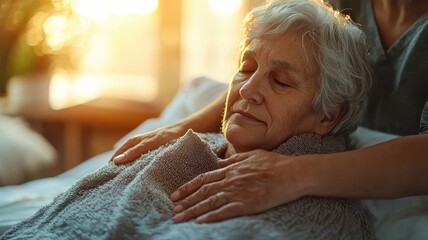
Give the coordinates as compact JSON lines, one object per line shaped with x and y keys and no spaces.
{"x":186,"y":203}
{"x":204,"y":191}
{"x":224,"y":198}
{"x":139,"y":148}
{"x":211,"y":203}
{"x":234,"y":157}
{"x":130,"y":143}
{"x":198,"y":181}
{"x":184,"y":189}
{"x":133,"y":140}
{"x":238,"y":157}
{"x":235,"y":180}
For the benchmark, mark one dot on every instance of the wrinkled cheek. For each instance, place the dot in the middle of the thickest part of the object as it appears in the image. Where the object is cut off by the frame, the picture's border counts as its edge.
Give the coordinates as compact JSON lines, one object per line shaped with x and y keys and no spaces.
{"x":231,"y":132}
{"x":244,"y":138}
{"x":275,"y":136}
{"x":229,"y":126}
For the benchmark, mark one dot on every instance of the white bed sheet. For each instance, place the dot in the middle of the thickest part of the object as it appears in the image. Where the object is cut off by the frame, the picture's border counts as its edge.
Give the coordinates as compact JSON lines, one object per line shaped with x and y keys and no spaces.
{"x":18,"y":202}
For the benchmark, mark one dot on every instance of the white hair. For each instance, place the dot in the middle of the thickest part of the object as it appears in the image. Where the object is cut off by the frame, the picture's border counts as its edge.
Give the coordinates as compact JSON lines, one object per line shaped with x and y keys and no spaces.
{"x":338,"y":46}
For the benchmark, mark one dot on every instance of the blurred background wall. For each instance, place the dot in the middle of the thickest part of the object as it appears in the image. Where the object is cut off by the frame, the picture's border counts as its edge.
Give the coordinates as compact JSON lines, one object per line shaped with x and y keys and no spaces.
{"x":82,"y":73}
{"x":124,"y":49}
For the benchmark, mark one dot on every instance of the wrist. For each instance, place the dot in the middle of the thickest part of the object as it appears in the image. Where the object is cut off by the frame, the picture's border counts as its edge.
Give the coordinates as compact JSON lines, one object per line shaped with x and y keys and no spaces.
{"x":178,"y":129}
{"x":308,"y":182}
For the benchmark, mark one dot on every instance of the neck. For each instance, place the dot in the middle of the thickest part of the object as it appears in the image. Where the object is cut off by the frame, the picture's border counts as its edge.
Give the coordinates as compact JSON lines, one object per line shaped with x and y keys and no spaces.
{"x":393,"y":17}
{"x":401,"y":7}
{"x":400,"y":3}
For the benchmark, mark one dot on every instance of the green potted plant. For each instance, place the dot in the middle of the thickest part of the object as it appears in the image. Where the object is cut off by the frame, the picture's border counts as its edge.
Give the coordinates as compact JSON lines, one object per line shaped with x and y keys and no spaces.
{"x":36,"y":35}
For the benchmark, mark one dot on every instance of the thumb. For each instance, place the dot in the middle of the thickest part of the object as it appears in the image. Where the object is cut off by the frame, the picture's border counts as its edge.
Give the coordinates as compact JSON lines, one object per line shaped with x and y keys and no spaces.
{"x":237,"y":157}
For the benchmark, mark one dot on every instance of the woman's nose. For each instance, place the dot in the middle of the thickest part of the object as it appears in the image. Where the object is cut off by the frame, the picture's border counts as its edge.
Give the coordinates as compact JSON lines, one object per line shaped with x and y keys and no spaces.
{"x":251,"y":91}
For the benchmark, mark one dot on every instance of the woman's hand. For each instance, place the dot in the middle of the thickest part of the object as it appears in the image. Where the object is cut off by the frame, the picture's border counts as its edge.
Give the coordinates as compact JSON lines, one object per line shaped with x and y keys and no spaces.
{"x":248,"y":183}
{"x":140,"y":144}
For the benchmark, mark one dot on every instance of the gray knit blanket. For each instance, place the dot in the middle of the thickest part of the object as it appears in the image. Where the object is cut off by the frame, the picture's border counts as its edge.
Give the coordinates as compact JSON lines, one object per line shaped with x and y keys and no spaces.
{"x":131,"y":201}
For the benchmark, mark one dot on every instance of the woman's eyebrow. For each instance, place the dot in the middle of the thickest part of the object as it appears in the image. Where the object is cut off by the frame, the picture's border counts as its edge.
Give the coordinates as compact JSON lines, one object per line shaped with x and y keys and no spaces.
{"x":286,"y":66}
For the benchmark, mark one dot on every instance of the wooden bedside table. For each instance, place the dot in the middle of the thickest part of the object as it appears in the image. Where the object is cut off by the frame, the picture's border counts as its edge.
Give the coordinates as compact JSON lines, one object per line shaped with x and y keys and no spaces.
{"x":81,"y":131}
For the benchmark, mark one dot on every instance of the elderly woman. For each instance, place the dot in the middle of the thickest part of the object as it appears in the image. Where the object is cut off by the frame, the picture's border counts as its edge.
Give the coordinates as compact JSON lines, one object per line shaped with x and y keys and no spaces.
{"x":398,"y":104}
{"x":302,"y":70}
{"x":300,"y":88}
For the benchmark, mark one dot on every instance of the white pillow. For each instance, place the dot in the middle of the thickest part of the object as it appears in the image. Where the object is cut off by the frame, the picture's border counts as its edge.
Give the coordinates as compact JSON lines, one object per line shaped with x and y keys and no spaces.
{"x":24,"y":154}
{"x":364,"y":137}
{"x":403,"y":218}
{"x":191,"y":97}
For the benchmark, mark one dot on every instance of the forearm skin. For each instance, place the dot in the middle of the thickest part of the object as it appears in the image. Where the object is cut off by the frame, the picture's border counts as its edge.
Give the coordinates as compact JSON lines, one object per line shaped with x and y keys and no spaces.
{"x":207,"y":119}
{"x":393,"y":169}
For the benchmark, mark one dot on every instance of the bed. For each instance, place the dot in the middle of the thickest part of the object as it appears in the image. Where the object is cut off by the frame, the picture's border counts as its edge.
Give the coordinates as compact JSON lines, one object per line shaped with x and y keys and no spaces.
{"x":18,"y":166}
{"x":404,"y":218}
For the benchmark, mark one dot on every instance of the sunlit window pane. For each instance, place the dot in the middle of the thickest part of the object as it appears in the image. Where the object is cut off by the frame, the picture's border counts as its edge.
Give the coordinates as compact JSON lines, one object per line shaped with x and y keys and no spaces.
{"x":210,"y":41}
{"x":225,"y":7}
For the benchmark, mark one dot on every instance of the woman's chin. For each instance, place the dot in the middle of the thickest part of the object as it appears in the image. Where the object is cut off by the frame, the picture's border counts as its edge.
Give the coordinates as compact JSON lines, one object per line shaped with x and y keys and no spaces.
{"x":241,"y":142}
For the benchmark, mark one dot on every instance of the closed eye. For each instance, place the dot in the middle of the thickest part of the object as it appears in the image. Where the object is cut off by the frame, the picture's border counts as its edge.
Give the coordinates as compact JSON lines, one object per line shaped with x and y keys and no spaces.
{"x":281,"y":84}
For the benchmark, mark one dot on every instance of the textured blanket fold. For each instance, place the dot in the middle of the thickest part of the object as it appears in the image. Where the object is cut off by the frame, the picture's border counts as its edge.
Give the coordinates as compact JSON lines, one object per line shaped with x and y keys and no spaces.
{"x":132,"y":201}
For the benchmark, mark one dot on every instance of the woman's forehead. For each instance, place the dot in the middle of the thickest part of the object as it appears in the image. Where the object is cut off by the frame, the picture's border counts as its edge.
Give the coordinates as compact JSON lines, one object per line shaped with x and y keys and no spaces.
{"x":288,"y":50}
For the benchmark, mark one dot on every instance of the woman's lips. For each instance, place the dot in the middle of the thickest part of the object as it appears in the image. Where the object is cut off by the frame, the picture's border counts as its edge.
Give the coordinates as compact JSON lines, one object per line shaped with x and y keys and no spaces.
{"x":247,"y":116}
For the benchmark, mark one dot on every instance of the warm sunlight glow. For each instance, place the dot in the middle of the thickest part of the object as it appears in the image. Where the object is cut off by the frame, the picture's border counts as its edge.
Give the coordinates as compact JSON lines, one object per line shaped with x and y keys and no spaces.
{"x":93,"y":9}
{"x":35,"y":35}
{"x":58,"y":89}
{"x":55,"y":28}
{"x":96,"y":55}
{"x":99,"y":10}
{"x":115,"y":51}
{"x":86,"y":88}
{"x":225,"y":7}
{"x":132,"y":87}
{"x":66,"y":91}
{"x":206,"y":54}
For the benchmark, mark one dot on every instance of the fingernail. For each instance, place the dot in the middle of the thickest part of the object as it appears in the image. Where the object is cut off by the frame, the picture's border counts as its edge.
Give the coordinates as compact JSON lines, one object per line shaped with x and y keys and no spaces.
{"x":178,"y":218}
{"x":119,"y":158}
{"x":178,"y":208}
{"x":174,"y":196}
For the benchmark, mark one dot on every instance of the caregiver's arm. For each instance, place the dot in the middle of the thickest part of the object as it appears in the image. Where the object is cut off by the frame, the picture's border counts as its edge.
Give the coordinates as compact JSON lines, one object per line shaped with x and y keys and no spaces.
{"x":207,"y":119}
{"x":396,"y":168}
{"x":256,"y":181}
{"x":392,"y":169}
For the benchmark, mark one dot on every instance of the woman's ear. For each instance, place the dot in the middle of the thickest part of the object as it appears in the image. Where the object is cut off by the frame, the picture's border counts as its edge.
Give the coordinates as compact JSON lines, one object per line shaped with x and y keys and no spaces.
{"x":328,"y":123}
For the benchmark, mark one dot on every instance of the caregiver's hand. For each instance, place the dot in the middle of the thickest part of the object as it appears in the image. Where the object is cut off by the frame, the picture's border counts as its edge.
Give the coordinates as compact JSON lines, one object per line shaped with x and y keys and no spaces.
{"x":139,"y":144}
{"x":248,"y":183}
